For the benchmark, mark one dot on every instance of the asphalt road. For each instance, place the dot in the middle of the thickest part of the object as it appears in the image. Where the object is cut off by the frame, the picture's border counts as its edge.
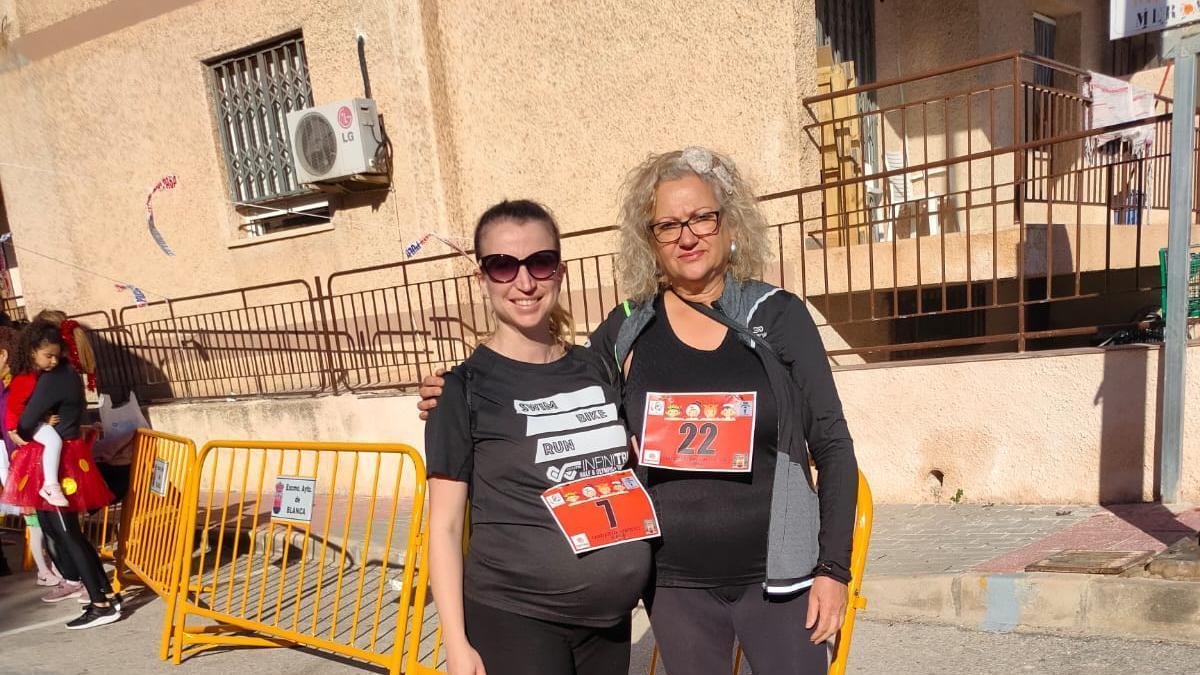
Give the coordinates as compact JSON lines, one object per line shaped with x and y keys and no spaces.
{"x":33,"y":640}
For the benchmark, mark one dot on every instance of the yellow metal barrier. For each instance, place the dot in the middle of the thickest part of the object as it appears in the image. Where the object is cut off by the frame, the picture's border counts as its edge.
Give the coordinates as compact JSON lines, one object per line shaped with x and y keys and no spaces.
{"x":151,"y":534}
{"x":863,"y":519}
{"x":864,"y":515}
{"x":294,"y":543}
{"x":424,"y":649}
{"x":102,"y":528}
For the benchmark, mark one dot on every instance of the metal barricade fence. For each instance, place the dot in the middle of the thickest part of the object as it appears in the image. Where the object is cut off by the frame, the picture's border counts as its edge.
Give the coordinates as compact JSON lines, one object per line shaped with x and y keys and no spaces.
{"x":301,"y":544}
{"x":152,"y":532}
{"x":102,"y":528}
{"x":423,"y":653}
{"x":864,"y":517}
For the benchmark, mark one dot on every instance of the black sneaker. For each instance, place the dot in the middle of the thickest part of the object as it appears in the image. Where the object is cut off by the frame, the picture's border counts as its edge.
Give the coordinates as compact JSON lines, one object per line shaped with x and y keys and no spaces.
{"x":115,"y":600}
{"x":94,"y":616}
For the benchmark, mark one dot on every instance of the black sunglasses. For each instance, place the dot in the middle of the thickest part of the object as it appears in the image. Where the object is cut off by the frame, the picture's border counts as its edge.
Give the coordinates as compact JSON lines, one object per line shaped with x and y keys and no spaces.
{"x":502,"y":268}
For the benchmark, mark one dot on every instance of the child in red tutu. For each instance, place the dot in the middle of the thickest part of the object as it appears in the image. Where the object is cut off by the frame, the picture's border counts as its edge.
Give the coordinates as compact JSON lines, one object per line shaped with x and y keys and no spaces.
{"x":37,"y":477}
{"x":20,"y":389}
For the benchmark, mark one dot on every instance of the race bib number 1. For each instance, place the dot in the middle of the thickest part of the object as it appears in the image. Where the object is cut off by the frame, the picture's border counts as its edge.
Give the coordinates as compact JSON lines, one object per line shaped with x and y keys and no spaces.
{"x":602,"y":511}
{"x":699,"y":432}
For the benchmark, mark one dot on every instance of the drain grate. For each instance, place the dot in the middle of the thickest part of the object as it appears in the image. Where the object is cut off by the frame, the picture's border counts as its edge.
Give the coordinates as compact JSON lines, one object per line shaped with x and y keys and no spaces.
{"x":1090,"y":562}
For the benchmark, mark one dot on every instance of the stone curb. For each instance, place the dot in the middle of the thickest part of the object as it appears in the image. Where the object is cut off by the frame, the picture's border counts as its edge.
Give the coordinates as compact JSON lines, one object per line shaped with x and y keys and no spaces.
{"x":1081,"y":604}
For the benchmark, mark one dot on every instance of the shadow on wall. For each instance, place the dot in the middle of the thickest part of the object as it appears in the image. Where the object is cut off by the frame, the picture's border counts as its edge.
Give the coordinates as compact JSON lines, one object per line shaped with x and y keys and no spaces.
{"x":1127,"y":410}
{"x":1124,"y":411}
{"x":122,"y":371}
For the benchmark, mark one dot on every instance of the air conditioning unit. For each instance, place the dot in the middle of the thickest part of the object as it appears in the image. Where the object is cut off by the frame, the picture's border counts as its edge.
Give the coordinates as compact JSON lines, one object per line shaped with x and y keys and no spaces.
{"x":338,"y":143}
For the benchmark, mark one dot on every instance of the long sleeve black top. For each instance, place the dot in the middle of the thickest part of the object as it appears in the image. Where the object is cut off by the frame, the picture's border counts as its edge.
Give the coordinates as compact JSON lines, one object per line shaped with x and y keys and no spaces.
{"x":58,"y":391}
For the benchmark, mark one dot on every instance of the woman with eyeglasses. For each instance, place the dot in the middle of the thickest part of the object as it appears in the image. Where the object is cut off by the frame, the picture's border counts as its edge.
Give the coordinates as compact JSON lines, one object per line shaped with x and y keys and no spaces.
{"x":728,"y":389}
{"x":528,"y":429}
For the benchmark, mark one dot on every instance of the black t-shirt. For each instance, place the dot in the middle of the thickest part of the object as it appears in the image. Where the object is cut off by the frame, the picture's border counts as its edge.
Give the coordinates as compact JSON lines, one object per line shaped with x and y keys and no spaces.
{"x":714,"y":525}
{"x":529,"y":428}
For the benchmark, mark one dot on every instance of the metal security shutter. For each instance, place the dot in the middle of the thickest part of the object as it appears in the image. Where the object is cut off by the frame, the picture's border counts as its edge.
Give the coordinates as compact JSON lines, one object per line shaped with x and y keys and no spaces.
{"x":254,"y":90}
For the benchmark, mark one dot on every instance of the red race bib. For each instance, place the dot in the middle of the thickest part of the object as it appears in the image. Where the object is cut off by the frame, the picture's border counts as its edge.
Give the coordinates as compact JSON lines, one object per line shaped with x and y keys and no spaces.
{"x":699,"y":432}
{"x":602,"y":511}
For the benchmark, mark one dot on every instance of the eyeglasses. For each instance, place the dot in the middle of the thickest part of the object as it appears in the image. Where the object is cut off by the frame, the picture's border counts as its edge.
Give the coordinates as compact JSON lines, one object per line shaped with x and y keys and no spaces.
{"x":502,"y":268}
{"x":701,"y":225}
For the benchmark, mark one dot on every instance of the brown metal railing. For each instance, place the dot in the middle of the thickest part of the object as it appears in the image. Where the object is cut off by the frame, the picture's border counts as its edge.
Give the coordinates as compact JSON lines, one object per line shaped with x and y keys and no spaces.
{"x":979,"y":267}
{"x":371,"y":328}
{"x":14,"y":307}
{"x":1001,"y":227}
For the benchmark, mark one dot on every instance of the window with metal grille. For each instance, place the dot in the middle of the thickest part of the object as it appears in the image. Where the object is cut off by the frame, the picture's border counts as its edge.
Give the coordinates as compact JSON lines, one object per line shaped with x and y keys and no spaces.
{"x":254,"y":90}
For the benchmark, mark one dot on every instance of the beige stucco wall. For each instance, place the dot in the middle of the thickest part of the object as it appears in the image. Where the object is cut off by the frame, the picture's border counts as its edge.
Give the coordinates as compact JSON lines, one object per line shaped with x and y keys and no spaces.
{"x":1040,"y":428}
{"x":966,"y":31}
{"x":1065,"y":427}
{"x":335,"y":419}
{"x":482,"y":100}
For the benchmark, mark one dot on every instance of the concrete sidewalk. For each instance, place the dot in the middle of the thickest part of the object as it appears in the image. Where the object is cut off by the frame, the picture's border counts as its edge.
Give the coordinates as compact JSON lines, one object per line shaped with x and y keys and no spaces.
{"x":964,"y":565}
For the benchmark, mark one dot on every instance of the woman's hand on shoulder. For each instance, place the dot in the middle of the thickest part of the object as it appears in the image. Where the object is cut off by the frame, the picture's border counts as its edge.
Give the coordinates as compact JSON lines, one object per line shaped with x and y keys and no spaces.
{"x":826,"y":608}
{"x":430,"y":390}
{"x":464,"y":660}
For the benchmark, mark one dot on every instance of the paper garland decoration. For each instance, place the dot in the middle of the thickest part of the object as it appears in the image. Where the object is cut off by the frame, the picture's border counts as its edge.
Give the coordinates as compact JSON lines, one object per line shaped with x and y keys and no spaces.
{"x":166,"y":183}
{"x":139,"y":297}
{"x":415,"y":247}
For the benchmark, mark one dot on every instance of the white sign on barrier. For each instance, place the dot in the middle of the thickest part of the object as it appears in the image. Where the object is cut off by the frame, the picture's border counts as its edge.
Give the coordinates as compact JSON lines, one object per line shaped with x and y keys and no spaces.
{"x":158,"y":477}
{"x":1133,"y":17}
{"x":294,"y":499}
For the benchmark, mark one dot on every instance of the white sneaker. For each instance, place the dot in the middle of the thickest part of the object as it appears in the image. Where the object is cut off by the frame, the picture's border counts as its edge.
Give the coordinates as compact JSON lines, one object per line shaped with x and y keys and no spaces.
{"x":53,"y":494}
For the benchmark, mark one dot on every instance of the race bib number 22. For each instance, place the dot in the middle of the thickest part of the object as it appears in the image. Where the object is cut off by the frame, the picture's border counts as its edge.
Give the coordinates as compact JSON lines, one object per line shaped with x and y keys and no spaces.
{"x":699,"y":431}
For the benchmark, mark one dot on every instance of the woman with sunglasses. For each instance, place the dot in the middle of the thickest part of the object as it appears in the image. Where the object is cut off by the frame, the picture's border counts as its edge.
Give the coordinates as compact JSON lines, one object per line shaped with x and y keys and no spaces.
{"x":729,"y":391}
{"x":528,"y":429}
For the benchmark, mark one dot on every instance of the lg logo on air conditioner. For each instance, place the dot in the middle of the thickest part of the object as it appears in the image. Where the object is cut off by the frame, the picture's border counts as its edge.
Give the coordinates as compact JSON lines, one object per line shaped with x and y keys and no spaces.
{"x":345,"y":119}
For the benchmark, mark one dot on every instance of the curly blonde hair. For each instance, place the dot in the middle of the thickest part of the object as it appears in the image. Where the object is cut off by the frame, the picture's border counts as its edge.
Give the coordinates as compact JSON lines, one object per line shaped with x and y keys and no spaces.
{"x":637,"y":262}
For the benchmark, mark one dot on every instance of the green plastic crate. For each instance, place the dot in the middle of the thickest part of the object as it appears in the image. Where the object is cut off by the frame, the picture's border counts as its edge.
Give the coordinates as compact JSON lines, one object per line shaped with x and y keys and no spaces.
{"x":1193,"y":311}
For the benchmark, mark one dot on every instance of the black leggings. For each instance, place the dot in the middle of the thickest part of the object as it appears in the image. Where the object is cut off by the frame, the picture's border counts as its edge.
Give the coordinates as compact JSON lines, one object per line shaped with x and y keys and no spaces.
{"x":73,"y":553}
{"x":695,"y":630}
{"x":511,"y":644}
